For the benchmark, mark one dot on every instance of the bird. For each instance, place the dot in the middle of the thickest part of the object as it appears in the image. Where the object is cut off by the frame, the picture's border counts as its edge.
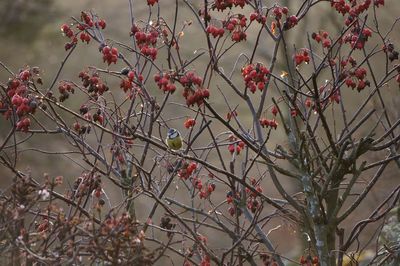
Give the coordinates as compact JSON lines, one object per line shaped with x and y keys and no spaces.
{"x":174,"y":139}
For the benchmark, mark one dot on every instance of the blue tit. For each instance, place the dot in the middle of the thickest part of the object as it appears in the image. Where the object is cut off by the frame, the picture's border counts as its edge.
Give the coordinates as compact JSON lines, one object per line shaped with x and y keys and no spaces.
{"x":174,"y":139}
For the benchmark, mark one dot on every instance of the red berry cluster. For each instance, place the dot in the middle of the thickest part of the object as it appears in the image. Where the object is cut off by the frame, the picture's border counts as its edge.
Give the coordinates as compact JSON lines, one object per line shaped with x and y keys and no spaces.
{"x":187,"y":169}
{"x":354,"y":8}
{"x":85,"y":24}
{"x":274,"y":110}
{"x":253,"y":204}
{"x":255,"y":76}
{"x":21,"y":101}
{"x":335,"y":97}
{"x":165,"y":82}
{"x":260,"y":18}
{"x":146,"y":41}
{"x":193,"y":92}
{"x":190,"y":122}
{"x":85,"y":37}
{"x":67,"y":31}
{"x":204,"y":191}
{"x":110,"y":55}
{"x":87,"y":20}
{"x":24,"y":124}
{"x":128,"y":83}
{"x":205,"y":261}
{"x":215,"y":32}
{"x":93,"y":83}
{"x":98,"y":117}
{"x":236,"y":145}
{"x":278,"y":12}
{"x":221,"y":5}
{"x":151,"y":2}
{"x":302,"y":56}
{"x":81,"y":129}
{"x":65,"y":88}
{"x":323,"y":37}
{"x":356,"y":78}
{"x":290,"y":22}
{"x":309,"y":261}
{"x":269,"y":123}
{"x":378,"y":3}
{"x":341,"y":6}
{"x":230,"y":199}
{"x":237,"y":26}
{"x":358,"y":37}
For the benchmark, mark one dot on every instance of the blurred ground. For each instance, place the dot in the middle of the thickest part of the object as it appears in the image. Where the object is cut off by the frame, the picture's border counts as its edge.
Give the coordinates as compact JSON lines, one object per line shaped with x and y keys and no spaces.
{"x":34,"y":39}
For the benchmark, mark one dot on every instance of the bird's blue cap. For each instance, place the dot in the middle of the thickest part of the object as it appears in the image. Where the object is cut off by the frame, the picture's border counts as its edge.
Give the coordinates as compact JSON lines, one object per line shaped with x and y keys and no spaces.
{"x":171,"y":131}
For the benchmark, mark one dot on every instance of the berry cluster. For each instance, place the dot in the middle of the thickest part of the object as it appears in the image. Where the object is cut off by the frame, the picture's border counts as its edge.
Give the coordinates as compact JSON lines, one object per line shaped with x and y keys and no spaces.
{"x":378,"y":3}
{"x":235,"y":145}
{"x":190,"y":122}
{"x":151,"y":2}
{"x":358,"y":37}
{"x":255,"y":76}
{"x":269,"y":123}
{"x":93,"y":83}
{"x":193,"y":92}
{"x":19,"y":100}
{"x":323,"y":37}
{"x":231,"y":198}
{"x":204,"y":191}
{"x":302,"y":56}
{"x":146,"y":41}
{"x":68,"y":32}
{"x":87,"y":23}
{"x":129,"y":82}
{"x":355,"y":78}
{"x":237,"y":26}
{"x":98,"y":117}
{"x":187,"y":169}
{"x":65,"y":88}
{"x":290,"y":22}
{"x":354,"y":8}
{"x":221,"y":5}
{"x":110,"y":55}
{"x":165,"y":82}
{"x":253,"y":204}
{"x":205,"y":261}
{"x":81,"y":129}
{"x":260,"y":18}
{"x":278,"y":12}
{"x":274,"y":110}
{"x":83,"y":26}
{"x":309,"y":260}
{"x":87,"y":20}
{"x":215,"y":32}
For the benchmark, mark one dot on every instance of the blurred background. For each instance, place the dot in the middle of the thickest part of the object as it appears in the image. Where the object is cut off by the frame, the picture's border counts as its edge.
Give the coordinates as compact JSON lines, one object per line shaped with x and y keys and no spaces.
{"x":30,"y":35}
